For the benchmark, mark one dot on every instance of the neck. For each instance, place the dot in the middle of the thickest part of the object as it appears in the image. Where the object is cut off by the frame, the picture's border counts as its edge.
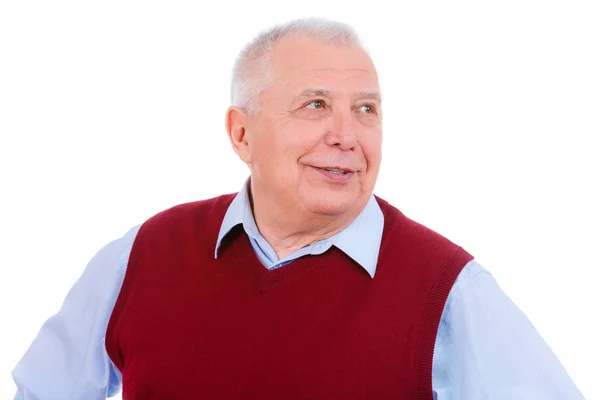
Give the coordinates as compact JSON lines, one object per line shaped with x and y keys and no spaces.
{"x":287,"y":231}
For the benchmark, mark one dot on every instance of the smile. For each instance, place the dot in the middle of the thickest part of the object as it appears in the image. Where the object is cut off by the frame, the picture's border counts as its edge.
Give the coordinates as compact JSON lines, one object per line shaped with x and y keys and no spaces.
{"x":336,"y":171}
{"x":336,"y":174}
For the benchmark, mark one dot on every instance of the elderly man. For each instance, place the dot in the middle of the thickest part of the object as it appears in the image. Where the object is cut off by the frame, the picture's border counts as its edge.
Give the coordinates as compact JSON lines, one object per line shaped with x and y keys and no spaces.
{"x":303,"y":285}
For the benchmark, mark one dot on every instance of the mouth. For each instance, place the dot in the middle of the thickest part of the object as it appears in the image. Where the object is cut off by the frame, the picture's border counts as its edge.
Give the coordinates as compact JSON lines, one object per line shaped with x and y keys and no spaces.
{"x":336,"y":173}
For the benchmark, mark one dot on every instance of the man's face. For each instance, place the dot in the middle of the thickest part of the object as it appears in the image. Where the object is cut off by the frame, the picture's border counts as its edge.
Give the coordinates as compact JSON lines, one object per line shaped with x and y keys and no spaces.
{"x":315,"y":145}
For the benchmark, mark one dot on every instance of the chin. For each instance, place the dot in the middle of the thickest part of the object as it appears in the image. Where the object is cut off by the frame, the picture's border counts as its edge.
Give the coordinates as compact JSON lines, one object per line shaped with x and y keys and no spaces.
{"x":330,"y":204}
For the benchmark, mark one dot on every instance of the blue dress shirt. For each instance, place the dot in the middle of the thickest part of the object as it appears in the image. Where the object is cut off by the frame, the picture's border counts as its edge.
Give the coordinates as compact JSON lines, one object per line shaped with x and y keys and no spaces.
{"x":486,"y":348}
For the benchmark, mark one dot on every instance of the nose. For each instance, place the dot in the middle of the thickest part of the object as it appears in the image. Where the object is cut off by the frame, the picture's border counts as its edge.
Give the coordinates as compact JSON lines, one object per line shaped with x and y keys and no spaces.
{"x":341,"y":132}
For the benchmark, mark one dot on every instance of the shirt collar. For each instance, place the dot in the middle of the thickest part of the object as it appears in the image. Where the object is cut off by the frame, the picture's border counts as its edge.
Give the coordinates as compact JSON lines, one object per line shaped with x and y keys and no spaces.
{"x":360,"y":240}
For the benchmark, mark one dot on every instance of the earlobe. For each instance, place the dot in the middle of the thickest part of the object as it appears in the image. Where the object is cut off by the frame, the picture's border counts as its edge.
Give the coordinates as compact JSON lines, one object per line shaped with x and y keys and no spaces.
{"x":235,"y":124}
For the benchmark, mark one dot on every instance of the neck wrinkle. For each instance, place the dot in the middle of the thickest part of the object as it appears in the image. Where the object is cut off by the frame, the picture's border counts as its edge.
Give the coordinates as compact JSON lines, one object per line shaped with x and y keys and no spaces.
{"x":286,"y":234}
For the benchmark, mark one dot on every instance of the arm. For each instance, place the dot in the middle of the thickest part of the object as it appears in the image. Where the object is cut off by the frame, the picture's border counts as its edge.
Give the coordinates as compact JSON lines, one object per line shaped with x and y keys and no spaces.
{"x":68,"y":359}
{"x":487,"y":348}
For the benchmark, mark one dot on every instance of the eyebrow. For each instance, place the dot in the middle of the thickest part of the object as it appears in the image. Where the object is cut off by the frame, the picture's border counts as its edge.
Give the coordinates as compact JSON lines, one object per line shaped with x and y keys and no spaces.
{"x":315,"y":93}
{"x":370,"y":95}
{"x":376,"y":96}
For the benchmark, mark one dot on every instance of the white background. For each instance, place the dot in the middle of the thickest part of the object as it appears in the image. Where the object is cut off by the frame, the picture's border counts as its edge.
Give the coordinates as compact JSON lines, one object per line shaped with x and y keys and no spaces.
{"x":113,"y":111}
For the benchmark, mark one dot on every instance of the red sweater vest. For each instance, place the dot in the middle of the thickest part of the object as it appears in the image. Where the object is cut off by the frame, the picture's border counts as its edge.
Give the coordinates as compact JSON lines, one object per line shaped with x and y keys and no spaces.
{"x":187,"y":326}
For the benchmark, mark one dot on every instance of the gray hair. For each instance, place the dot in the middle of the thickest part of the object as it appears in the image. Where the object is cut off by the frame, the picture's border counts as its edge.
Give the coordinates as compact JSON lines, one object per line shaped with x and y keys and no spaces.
{"x":251,"y":72}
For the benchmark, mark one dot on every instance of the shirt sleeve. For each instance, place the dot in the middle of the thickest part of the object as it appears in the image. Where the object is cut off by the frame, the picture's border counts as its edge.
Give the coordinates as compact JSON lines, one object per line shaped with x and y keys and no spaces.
{"x":68,"y":358}
{"x":486,"y":348}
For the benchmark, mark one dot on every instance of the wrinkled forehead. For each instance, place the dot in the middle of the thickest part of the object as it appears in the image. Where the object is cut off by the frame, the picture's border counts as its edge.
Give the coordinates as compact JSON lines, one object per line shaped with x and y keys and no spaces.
{"x":301,"y":62}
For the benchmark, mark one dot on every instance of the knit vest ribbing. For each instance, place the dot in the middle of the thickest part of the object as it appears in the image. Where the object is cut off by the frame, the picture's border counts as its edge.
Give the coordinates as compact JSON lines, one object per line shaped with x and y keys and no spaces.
{"x":188,"y":326}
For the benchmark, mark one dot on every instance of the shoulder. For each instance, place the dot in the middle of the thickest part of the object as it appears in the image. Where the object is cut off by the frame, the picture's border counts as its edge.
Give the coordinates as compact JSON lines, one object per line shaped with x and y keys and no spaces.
{"x":199,"y":207}
{"x":402,"y":231}
{"x":190,"y":213}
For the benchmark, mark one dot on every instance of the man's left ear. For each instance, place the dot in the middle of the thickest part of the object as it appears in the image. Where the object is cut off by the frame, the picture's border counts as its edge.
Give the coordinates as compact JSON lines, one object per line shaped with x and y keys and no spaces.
{"x":235,"y":123}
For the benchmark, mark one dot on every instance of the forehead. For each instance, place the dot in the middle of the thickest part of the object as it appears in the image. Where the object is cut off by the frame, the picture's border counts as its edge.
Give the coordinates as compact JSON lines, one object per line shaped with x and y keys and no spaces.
{"x":300,"y":62}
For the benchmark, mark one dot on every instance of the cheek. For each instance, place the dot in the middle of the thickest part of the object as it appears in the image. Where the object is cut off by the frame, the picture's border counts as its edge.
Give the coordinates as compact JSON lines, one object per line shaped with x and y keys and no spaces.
{"x":371,"y":145}
{"x":298,"y":138}
{"x":306,"y":133}
{"x":278,"y":150}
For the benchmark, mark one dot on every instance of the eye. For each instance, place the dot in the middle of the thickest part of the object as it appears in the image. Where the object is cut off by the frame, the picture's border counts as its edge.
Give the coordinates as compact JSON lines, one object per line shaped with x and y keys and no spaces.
{"x":317,"y":104}
{"x":367,"y":108}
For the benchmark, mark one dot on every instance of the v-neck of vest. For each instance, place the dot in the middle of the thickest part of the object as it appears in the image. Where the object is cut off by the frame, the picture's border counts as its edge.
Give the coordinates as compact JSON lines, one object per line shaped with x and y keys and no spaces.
{"x":266,"y":279}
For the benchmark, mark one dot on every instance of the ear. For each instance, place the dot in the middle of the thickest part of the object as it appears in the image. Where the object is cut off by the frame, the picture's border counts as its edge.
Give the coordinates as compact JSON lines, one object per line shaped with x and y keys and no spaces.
{"x":235,"y":122}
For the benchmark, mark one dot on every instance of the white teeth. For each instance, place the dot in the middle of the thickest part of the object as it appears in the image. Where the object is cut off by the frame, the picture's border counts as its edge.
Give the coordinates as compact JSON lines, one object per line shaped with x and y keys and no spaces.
{"x":336,"y":171}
